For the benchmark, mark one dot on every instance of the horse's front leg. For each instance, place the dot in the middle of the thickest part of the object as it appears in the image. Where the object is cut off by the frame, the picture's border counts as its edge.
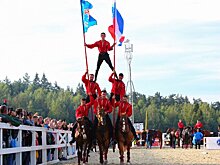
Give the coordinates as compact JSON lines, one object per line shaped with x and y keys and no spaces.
{"x":128,"y":154}
{"x":106,"y":153}
{"x":84,"y":153}
{"x":88,"y":150}
{"x":101,"y":154}
{"x":79,"y":153}
{"x":121,"y":152}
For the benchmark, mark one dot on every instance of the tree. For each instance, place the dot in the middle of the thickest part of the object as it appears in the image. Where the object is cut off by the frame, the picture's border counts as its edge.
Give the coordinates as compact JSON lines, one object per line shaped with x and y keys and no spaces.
{"x":44,"y":82}
{"x":36,"y":81}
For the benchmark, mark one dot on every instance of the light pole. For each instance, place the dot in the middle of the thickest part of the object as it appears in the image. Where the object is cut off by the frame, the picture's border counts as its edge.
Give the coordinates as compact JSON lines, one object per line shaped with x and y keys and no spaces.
{"x":130,"y":84}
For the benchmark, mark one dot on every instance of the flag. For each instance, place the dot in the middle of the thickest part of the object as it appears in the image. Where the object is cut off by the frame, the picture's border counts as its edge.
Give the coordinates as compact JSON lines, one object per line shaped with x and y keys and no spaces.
{"x":116,"y":30}
{"x":87,"y":19}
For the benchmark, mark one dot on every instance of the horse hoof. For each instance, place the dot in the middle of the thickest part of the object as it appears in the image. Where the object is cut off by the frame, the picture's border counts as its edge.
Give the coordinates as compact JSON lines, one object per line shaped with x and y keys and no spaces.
{"x":128,"y":162}
{"x":106,"y":162}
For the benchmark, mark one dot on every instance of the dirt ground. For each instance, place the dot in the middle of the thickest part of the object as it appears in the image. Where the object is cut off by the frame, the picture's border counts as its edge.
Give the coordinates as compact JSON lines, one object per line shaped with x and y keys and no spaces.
{"x":156,"y":156}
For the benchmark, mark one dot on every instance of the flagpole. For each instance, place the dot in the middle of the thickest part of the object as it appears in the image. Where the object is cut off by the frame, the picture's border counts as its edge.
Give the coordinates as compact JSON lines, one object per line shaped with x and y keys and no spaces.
{"x":84,"y":40}
{"x":114,"y":70}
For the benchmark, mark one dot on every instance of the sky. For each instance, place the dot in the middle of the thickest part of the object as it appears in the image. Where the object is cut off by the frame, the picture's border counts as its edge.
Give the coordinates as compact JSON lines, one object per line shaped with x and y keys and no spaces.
{"x":176,"y":44}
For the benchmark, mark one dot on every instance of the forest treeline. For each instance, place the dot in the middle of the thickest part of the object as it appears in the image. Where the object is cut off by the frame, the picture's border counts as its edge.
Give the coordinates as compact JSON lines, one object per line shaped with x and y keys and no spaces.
{"x":156,"y":112}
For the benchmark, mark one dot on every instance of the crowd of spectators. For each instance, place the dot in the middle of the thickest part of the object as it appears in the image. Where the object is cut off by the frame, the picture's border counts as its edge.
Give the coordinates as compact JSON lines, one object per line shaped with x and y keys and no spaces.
{"x":19,"y":117}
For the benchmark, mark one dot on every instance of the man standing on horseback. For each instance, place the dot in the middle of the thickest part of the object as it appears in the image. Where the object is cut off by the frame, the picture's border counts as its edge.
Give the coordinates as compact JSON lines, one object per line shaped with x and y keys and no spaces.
{"x":198,"y":125}
{"x":102,"y":103}
{"x":124,"y":109}
{"x":92,"y":87}
{"x":82,"y":112}
{"x":118,"y":86}
{"x":180,"y":126}
{"x":104,"y":47}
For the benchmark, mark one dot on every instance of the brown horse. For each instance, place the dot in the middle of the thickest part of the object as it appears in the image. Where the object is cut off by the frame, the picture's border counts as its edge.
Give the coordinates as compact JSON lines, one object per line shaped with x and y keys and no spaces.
{"x":124,"y":136}
{"x":156,"y":134}
{"x":83,"y":140}
{"x":103,"y":135}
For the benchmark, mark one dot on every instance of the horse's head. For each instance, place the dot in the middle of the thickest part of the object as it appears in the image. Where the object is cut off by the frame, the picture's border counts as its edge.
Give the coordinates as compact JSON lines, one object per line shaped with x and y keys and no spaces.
{"x":101,"y":116}
{"x":124,"y":127}
{"x":168,"y":131}
{"x":82,"y":126}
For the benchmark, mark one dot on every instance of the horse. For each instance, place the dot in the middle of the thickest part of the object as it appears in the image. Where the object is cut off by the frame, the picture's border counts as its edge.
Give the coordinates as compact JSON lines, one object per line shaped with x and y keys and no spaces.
{"x":124,"y":136}
{"x":174,"y":135}
{"x":187,"y":137}
{"x":156,"y":134}
{"x":103,"y":135}
{"x":83,"y":140}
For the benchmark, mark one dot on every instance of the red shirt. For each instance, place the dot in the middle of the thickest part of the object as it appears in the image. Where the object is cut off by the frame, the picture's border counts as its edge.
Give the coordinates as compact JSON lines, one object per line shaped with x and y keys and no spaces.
{"x":198,"y":125}
{"x":102,"y":103}
{"x":103,"y":46}
{"x":83,"y":110}
{"x":124,"y":107}
{"x":118,"y":86}
{"x":91,"y":86}
{"x":180,"y":125}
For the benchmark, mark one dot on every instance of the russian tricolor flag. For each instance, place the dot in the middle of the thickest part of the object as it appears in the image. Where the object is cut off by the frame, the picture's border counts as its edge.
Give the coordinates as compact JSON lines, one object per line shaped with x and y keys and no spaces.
{"x":116,"y":30}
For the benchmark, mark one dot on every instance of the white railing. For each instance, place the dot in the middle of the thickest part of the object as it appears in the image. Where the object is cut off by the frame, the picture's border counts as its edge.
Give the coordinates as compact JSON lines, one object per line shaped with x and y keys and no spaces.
{"x":61,"y":139}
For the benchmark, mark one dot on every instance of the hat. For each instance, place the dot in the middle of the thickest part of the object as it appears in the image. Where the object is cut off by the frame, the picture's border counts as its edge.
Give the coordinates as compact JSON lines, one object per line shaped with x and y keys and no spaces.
{"x":104,"y":91}
{"x":121,"y":74}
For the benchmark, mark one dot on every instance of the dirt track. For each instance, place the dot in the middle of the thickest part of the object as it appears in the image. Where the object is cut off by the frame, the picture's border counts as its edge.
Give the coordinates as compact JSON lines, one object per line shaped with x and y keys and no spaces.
{"x":159,"y":156}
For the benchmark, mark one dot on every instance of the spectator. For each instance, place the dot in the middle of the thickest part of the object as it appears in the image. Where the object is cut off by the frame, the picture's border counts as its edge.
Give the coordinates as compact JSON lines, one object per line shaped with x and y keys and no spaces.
{"x":148,"y":139}
{"x":197,"y":138}
{"x":21,"y":116}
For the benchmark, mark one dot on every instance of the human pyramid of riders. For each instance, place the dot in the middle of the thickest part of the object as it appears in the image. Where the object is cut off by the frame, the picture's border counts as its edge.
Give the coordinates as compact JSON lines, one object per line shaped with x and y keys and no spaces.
{"x":98,"y":98}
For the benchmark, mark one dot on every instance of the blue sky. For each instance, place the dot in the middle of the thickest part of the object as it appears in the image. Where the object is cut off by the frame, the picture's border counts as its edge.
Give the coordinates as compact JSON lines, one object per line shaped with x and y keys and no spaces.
{"x":176,"y":43}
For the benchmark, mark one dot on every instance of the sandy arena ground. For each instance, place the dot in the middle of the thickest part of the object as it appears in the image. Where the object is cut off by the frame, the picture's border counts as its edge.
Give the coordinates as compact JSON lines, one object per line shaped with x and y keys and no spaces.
{"x":166,"y":156}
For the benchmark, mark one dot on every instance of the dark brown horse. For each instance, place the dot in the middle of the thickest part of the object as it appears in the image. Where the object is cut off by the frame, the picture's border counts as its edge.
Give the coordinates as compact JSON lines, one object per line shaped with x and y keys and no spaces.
{"x":174,"y":136}
{"x":156,"y":134}
{"x":83,"y":140}
{"x":187,"y":137}
{"x":124,"y":136}
{"x":103,"y":135}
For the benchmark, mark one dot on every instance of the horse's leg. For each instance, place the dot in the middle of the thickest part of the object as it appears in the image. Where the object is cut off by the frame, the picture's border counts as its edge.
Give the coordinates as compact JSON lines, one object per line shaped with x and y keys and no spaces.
{"x":79,"y":154}
{"x":160,"y":141}
{"x":84,"y":153}
{"x":121,"y":152}
{"x":101,"y":154}
{"x":105,"y":155}
{"x":88,"y":150}
{"x":128,"y":153}
{"x":106,"y":150}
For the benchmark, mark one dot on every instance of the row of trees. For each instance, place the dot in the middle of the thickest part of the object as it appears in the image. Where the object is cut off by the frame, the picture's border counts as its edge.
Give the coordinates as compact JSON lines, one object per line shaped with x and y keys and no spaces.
{"x":158,"y":112}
